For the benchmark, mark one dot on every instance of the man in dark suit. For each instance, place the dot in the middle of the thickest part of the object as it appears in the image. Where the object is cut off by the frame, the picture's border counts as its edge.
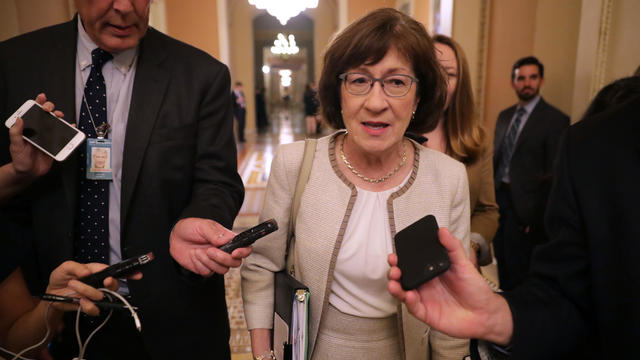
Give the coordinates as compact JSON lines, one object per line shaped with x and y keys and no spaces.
{"x":525,"y":143}
{"x":174,"y":175}
{"x":581,"y":299}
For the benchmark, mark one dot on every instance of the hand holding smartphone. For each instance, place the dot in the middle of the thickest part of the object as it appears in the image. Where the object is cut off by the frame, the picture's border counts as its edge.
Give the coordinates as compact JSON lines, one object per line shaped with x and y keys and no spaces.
{"x":54,"y":136}
{"x":421,"y":257}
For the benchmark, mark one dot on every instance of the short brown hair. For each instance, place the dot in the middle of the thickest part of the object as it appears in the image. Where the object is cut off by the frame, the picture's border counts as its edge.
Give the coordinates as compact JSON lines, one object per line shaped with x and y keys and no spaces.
{"x":367,"y":41}
{"x":465,"y":134}
{"x":528,"y":60}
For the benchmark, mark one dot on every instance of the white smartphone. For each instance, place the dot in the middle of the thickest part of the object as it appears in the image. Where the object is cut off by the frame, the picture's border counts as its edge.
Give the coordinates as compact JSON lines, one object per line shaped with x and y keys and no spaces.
{"x":47,"y":132}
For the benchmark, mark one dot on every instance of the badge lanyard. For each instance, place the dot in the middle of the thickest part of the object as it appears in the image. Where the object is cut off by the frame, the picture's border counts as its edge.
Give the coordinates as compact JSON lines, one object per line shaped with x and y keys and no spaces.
{"x":98,"y":150}
{"x":98,"y":155}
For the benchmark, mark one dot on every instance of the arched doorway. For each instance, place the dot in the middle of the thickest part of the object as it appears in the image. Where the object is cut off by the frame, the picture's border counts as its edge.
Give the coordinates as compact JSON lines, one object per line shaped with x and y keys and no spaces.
{"x":270,"y":68}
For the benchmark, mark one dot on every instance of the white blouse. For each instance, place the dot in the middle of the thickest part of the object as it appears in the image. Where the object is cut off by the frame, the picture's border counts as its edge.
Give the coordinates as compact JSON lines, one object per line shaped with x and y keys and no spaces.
{"x":359,"y":284}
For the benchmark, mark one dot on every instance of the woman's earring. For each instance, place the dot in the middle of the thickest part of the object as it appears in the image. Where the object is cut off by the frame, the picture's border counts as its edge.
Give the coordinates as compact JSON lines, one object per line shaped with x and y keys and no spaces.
{"x":413,"y":115}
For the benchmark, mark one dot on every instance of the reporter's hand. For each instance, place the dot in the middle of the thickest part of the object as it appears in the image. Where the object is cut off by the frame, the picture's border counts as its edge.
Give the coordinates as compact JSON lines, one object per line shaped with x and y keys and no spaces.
{"x":63,"y":281}
{"x":473,"y":258}
{"x":459,"y":302}
{"x":28,"y":161}
{"x":194,"y":245}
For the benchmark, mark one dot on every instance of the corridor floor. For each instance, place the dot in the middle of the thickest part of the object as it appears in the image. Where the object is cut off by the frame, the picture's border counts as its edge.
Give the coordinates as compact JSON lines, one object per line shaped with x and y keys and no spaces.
{"x":254,"y":163}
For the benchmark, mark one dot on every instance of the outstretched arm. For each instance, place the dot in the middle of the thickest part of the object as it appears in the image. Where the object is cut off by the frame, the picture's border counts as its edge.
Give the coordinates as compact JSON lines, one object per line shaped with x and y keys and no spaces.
{"x":23,"y":318}
{"x":28,"y":162}
{"x":459,"y":302}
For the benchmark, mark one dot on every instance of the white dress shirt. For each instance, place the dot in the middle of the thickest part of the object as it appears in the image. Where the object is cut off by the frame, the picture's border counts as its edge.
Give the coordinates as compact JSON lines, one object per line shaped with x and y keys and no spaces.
{"x":359,"y":284}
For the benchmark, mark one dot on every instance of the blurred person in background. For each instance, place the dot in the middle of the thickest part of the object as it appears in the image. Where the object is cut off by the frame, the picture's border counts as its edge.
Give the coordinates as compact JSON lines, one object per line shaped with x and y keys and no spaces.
{"x":261,"y":110}
{"x":311,"y":108}
{"x":239,"y":109}
{"x":460,"y":135}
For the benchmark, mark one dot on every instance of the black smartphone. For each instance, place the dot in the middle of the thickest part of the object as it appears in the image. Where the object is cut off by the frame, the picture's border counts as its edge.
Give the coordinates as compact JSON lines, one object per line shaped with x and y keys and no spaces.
{"x":421,"y":257}
{"x":250,"y":236}
{"x":120,"y":270}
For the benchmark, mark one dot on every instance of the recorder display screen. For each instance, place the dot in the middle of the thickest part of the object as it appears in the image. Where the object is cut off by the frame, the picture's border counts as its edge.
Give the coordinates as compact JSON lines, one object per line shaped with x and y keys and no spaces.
{"x":45,"y":130}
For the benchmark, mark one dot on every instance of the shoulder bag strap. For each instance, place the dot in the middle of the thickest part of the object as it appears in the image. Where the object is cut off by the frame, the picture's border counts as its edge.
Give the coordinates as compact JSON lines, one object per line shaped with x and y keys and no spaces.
{"x":303,"y":177}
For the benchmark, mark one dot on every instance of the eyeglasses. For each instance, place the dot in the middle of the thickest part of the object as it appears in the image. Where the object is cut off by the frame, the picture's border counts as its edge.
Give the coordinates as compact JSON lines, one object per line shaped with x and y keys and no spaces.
{"x":395,"y":85}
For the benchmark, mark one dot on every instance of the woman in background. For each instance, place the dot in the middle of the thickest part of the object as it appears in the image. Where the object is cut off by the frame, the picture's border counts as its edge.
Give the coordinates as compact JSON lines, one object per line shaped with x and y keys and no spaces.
{"x":460,"y":135}
{"x":311,"y":108}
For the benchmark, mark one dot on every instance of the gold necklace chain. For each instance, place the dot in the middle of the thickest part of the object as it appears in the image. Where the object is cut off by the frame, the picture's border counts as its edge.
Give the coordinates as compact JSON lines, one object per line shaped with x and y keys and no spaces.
{"x":374,"y":181}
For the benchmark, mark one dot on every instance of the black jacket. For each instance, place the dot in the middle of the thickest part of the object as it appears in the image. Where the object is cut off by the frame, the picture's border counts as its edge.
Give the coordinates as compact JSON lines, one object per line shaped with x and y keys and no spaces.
{"x":179,"y":161}
{"x":581,"y":301}
{"x":531,"y":167}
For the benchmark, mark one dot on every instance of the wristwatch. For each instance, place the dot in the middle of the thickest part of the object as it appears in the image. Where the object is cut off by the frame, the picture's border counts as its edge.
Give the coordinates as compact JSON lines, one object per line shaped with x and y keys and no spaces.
{"x":475,"y":247}
{"x":266,"y":355}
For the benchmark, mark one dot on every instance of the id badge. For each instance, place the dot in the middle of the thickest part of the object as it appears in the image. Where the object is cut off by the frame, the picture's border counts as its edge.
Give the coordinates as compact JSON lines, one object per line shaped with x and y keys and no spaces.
{"x":99,"y":159}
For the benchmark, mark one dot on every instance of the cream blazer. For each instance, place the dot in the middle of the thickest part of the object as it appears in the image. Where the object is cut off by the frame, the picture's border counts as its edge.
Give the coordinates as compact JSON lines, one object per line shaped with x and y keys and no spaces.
{"x":437,"y":185}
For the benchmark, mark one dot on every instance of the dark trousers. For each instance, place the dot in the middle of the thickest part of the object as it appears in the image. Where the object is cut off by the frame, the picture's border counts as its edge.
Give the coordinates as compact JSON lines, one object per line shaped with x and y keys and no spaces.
{"x":240,"y":115}
{"x":512,"y":245}
{"x":117,"y":339}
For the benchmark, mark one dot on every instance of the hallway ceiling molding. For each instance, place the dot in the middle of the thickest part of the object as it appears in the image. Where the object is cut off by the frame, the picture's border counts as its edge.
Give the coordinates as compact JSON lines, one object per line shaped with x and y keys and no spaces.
{"x":283,"y":10}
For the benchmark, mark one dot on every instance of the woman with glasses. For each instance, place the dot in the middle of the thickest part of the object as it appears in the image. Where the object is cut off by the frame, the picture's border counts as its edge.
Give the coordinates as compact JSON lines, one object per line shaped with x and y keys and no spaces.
{"x":460,"y":135}
{"x":367,"y":182}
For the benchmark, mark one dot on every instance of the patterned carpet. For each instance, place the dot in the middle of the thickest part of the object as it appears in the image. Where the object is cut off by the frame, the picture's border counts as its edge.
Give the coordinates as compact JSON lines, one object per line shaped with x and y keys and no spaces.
{"x":254,"y":175}
{"x":240,"y":342}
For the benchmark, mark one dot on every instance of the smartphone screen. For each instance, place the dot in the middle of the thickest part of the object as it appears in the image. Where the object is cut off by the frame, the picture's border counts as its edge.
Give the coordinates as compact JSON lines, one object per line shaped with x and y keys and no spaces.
{"x":46,"y":130}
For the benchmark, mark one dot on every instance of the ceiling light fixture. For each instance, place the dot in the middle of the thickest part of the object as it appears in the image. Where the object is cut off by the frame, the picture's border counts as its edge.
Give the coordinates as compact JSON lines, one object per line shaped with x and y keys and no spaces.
{"x":285,"y":77}
{"x":283,"y":47}
{"x":283,"y":10}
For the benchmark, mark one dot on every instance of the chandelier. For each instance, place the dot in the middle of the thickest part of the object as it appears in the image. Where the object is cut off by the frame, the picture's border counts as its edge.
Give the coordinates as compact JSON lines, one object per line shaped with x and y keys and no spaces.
{"x":283,"y":10}
{"x":283,"y":47}
{"x":285,"y":77}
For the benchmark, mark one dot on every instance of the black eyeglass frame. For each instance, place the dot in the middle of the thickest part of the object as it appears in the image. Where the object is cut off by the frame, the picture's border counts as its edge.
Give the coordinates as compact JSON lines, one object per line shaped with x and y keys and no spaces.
{"x":343,"y":76}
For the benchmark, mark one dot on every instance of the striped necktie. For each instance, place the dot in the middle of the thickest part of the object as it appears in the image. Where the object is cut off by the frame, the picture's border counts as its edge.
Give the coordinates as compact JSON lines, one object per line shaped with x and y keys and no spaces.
{"x":509,"y":145}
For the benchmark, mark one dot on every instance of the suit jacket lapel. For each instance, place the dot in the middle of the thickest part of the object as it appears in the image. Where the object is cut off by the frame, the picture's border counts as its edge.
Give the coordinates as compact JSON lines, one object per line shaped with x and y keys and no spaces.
{"x":149,"y":87}
{"x":501,"y":128}
{"x":531,"y":123}
{"x":60,"y":88}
